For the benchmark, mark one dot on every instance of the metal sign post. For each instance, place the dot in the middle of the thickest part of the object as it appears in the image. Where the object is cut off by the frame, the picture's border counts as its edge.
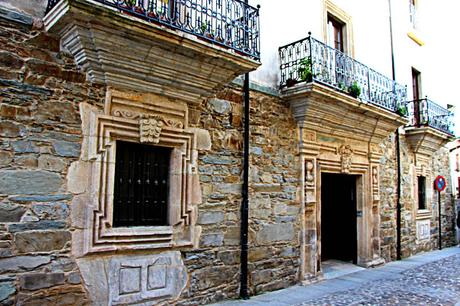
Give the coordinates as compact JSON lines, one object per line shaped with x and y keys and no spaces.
{"x":439,"y":185}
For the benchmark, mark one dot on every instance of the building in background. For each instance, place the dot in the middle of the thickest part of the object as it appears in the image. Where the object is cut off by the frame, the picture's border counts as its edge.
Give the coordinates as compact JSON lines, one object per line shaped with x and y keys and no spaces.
{"x":121,"y":163}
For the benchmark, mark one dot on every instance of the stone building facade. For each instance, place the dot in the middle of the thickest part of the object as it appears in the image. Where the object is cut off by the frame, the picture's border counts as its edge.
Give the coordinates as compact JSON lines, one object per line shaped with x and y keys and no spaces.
{"x":65,"y":106}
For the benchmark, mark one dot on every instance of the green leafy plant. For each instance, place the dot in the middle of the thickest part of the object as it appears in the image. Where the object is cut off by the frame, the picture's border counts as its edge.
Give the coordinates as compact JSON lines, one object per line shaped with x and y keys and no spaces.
{"x":203,"y":27}
{"x":402,"y":110}
{"x":342,"y":87}
{"x":304,"y":70}
{"x":354,"y":90}
{"x":130,"y":3}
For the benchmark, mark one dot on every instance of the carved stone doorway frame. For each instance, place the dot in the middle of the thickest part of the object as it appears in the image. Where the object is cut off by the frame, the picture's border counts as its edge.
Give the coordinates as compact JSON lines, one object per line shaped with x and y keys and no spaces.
{"x":324,"y":154}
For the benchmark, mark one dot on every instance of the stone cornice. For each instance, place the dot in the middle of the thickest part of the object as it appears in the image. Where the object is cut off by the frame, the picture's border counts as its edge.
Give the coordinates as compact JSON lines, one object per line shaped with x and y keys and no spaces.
{"x":426,"y":140}
{"x":122,"y":51}
{"x":328,"y":111}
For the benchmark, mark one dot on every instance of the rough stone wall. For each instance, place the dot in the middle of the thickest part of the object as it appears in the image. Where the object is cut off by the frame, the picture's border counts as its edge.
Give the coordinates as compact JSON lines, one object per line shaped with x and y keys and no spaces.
{"x":388,"y":194}
{"x":40,"y":136}
{"x":439,"y":165}
{"x":274,"y":208}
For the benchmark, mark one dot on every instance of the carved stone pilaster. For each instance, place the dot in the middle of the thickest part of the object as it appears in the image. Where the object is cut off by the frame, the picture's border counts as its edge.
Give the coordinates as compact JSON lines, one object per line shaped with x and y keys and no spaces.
{"x":375,"y":183}
{"x":310,"y":181}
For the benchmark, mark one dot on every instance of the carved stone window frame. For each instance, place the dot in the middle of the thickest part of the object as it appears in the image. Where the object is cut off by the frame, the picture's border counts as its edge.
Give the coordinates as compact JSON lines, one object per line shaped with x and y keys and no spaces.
{"x":423,"y":168}
{"x":137,"y":118}
{"x":329,"y":8}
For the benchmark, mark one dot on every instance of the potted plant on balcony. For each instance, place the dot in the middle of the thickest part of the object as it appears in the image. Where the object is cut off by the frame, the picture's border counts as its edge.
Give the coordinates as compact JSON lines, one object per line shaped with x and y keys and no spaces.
{"x":354,"y":90}
{"x":131,"y":5}
{"x":209,"y":33}
{"x":304,"y":70}
{"x":402,"y":110}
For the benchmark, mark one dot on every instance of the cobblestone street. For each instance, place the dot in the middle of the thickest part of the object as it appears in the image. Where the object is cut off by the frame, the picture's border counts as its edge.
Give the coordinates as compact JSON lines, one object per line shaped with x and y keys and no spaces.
{"x":427,"y":279}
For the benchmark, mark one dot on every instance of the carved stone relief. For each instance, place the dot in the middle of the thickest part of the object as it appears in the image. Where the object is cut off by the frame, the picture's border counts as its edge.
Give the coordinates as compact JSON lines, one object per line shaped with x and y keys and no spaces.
{"x":346,"y":155}
{"x":423,"y":229}
{"x":375,"y":183}
{"x":134,"y":279}
{"x":310,"y":186}
{"x":139,"y":279}
{"x":150,"y":128}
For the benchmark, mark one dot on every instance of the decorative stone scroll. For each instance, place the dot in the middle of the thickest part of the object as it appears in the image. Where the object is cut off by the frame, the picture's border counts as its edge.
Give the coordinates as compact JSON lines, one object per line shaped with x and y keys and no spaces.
{"x":150,"y":119}
{"x":150,"y":128}
{"x":346,"y":155}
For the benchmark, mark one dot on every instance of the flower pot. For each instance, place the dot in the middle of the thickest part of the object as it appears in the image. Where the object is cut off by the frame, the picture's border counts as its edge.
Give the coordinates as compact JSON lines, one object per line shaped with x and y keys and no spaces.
{"x":290,"y":82}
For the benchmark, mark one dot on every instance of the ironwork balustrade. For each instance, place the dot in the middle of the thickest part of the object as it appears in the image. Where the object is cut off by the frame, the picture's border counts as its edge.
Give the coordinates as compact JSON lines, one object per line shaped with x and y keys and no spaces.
{"x":310,"y":60}
{"x":229,"y":23}
{"x":424,"y":112}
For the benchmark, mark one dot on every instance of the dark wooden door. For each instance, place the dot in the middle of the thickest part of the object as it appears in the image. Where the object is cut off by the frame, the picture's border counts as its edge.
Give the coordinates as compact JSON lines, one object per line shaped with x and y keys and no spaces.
{"x":338,"y":217}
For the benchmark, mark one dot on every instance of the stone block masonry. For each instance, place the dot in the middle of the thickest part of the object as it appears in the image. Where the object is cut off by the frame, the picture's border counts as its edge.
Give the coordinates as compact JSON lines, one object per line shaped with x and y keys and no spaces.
{"x":274,"y":208}
{"x":411,"y":216}
{"x":40,"y":135}
{"x":44,"y":182}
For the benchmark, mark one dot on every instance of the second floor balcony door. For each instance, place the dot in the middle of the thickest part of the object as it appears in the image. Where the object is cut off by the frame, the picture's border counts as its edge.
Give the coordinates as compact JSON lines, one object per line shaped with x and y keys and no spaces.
{"x":335,"y":36}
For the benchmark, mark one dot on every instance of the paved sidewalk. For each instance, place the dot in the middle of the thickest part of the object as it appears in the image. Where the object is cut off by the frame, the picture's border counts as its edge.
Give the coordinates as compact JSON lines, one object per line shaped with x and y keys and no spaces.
{"x":426,"y":279}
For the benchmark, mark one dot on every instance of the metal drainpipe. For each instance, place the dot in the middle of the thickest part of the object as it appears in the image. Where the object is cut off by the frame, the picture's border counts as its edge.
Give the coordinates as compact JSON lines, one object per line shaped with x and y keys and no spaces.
{"x":398,"y":153}
{"x":244,"y":294}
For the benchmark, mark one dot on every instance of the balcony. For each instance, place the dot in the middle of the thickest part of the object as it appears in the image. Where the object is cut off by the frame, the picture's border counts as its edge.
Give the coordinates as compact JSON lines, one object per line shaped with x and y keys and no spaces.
{"x":322,"y":82}
{"x":180,"y":48}
{"x":430,"y":126}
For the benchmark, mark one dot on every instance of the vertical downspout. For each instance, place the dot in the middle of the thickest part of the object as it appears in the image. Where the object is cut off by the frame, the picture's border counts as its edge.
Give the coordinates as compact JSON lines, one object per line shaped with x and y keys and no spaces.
{"x":398,"y":153}
{"x":244,"y":294}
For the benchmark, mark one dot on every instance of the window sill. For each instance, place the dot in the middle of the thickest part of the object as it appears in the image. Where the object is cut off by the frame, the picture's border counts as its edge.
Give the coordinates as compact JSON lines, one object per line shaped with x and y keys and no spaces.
{"x":423,"y":214}
{"x":412,"y":34}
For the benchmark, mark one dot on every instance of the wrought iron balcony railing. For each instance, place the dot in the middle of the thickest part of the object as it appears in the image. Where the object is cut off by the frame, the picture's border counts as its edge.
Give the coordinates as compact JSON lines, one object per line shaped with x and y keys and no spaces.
{"x":424,"y":112}
{"x":229,"y":23}
{"x":309,"y":60}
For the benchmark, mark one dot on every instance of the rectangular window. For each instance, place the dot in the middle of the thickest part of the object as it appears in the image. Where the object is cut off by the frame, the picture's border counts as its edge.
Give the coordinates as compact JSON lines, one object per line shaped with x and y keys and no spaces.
{"x":421,"y":192}
{"x":336,"y":33}
{"x":412,"y":13}
{"x":457,"y":162}
{"x":141,"y":185}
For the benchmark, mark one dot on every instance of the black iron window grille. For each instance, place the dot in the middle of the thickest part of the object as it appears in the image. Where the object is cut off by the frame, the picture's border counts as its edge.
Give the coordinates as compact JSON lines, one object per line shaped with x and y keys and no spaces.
{"x":424,"y":112}
{"x":141,"y":185}
{"x":309,"y":60}
{"x":232,"y":24}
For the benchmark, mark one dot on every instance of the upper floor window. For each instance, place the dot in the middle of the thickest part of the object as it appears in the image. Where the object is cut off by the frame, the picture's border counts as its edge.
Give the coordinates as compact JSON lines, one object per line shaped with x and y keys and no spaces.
{"x":457,"y":162}
{"x":416,"y":88}
{"x":141,"y":185}
{"x":336,"y":29}
{"x":412,"y":12}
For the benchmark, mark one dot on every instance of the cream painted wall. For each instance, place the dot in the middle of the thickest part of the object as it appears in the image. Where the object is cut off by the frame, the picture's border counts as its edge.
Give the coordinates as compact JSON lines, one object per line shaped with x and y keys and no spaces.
{"x":437,"y":59}
{"x":290,"y":20}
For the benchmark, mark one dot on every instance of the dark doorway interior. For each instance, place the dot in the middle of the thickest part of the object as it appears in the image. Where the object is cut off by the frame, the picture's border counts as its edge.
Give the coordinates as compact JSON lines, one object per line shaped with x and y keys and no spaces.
{"x":338,"y":217}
